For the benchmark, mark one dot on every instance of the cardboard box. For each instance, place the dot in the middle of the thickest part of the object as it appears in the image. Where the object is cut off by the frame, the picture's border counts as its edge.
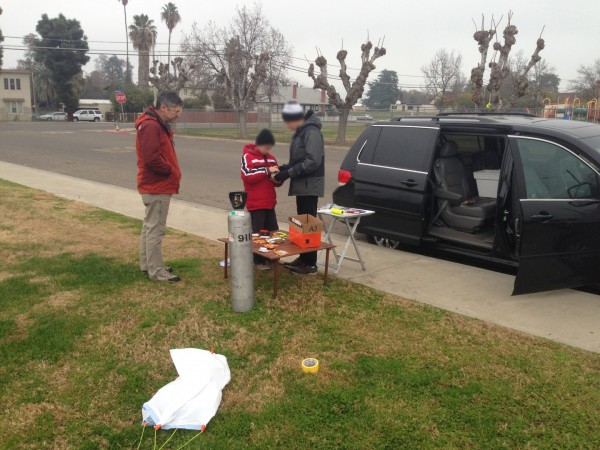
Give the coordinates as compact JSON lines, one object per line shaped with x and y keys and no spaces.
{"x":305,"y":230}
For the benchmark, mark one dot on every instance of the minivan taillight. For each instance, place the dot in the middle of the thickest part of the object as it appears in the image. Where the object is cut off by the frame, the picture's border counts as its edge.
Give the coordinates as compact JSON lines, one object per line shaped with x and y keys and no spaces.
{"x":344,"y":177}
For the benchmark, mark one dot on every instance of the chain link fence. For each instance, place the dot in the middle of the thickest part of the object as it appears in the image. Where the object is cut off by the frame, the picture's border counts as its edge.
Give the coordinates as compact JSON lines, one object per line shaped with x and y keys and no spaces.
{"x":195,"y":118}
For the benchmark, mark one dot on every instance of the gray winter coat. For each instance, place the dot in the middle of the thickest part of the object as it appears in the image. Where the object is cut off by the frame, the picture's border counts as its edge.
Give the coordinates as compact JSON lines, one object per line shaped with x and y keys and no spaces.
{"x":307,"y":159}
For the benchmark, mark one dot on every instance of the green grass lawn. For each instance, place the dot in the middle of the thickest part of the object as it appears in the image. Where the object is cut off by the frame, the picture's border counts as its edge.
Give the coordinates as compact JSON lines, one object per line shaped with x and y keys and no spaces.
{"x":281,"y":135}
{"x":85,"y":339}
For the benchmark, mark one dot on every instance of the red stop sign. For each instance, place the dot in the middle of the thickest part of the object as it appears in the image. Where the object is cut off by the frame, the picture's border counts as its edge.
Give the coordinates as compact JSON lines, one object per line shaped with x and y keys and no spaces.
{"x":120,"y":97}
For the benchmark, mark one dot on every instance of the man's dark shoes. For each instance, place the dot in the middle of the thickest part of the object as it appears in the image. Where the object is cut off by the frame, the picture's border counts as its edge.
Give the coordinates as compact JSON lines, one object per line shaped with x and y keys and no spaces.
{"x":295,"y":263}
{"x":303,"y":269}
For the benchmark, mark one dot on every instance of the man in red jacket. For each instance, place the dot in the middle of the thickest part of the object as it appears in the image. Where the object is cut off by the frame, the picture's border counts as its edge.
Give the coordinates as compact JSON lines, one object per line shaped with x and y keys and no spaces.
{"x":158,"y":178}
{"x":256,"y":169}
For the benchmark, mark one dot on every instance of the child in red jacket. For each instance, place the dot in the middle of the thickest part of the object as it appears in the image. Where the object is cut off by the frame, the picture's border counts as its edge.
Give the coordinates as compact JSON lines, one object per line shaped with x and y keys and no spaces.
{"x":257,"y":166}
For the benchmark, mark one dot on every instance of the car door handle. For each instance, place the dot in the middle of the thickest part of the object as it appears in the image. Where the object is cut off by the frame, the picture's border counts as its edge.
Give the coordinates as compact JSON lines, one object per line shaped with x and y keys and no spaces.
{"x":409,"y":183}
{"x":541,"y":217}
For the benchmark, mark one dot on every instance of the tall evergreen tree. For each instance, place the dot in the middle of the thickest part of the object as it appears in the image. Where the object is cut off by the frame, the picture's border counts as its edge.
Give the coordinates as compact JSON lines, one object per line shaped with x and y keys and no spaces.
{"x":62,"y":49}
{"x":384,"y":91}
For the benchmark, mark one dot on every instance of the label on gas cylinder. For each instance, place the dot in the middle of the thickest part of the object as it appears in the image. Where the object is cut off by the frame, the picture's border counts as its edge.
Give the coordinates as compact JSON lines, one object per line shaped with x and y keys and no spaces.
{"x":244,"y":237}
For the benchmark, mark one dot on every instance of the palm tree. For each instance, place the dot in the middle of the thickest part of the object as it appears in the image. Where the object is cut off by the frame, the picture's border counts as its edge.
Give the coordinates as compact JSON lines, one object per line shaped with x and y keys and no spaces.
{"x":170,"y":16}
{"x":127,"y":71}
{"x":143,"y":36}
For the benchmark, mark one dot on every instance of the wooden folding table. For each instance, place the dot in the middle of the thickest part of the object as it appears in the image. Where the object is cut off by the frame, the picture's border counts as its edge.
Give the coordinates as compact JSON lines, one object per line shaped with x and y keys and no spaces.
{"x":291,"y":249}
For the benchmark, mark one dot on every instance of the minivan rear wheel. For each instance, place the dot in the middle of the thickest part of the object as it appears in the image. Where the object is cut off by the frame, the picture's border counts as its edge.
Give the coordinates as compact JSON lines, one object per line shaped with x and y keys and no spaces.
{"x":383,"y":242}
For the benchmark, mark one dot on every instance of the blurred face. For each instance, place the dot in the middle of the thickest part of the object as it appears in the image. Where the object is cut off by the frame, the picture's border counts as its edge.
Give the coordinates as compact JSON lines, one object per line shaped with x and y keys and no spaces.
{"x":170,"y":113}
{"x":294,"y":124}
{"x":264,"y":149}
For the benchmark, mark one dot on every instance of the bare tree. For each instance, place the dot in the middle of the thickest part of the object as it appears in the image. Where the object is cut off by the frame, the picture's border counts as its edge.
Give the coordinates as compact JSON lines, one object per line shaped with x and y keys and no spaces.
{"x":237,"y":57}
{"x":587,"y":84}
{"x":162,"y":78}
{"x":280,"y":58}
{"x":443,"y":76}
{"x":500,"y":70}
{"x":354,"y":90}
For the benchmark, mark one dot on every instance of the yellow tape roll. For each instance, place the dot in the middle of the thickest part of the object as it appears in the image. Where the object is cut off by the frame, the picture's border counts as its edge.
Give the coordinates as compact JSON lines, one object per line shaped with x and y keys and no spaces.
{"x":310,"y":365}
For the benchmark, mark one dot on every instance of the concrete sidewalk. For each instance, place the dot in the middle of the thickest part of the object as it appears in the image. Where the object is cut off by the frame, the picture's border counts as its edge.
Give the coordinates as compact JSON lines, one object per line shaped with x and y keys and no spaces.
{"x":565,"y":316}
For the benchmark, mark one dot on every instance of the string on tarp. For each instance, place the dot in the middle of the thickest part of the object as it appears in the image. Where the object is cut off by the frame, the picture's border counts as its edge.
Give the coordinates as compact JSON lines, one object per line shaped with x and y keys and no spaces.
{"x":142,"y":436}
{"x":167,"y":441}
{"x":188,"y":442}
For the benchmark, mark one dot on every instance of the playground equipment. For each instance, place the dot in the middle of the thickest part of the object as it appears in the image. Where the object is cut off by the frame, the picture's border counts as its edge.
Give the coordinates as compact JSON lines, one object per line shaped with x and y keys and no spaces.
{"x":572,"y":111}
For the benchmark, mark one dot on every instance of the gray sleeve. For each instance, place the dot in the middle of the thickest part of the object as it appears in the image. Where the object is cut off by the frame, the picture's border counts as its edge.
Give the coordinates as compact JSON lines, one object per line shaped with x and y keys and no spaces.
{"x":313,"y":142}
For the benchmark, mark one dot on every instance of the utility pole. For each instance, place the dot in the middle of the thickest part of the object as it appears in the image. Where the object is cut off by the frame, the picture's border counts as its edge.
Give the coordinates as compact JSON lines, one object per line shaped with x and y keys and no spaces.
{"x":270,"y":92}
{"x":127,"y":74}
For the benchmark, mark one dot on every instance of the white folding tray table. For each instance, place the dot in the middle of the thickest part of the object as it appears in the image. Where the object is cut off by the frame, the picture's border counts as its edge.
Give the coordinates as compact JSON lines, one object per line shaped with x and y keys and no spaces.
{"x":351,"y":222}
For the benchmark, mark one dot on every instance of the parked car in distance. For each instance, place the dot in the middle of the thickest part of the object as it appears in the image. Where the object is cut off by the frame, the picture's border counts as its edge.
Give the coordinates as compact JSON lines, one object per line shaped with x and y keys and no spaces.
{"x":509,"y":188}
{"x":87,"y":115}
{"x":53,"y":116}
{"x":364,"y":117}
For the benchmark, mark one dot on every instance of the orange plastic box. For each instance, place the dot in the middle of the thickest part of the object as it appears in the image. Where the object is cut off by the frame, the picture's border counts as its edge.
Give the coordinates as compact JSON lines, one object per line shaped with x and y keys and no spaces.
{"x":305,"y":230}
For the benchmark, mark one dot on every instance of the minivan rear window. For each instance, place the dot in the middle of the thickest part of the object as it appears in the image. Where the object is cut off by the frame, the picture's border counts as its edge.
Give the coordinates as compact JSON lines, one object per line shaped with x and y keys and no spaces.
{"x":408,"y":148}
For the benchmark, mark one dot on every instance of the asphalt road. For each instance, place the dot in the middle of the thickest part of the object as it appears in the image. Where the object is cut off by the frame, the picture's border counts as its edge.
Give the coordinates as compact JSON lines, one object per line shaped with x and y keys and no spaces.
{"x":94,"y":151}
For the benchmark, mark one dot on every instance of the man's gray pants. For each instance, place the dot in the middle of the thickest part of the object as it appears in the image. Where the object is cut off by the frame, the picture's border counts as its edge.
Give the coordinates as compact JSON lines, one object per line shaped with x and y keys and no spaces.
{"x":153,"y":231}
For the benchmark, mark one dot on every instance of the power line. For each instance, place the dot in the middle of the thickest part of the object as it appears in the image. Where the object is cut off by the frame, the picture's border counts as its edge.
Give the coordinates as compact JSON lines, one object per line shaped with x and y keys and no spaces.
{"x":222,"y":45}
{"x":100,"y":52}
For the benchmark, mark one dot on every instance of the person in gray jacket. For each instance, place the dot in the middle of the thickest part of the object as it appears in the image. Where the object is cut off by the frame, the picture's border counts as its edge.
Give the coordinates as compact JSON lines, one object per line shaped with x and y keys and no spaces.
{"x":306,"y":171}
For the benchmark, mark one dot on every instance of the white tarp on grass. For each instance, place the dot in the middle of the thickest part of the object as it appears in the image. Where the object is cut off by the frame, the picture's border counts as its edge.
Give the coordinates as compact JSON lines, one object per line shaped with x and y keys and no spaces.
{"x":193,"y":398}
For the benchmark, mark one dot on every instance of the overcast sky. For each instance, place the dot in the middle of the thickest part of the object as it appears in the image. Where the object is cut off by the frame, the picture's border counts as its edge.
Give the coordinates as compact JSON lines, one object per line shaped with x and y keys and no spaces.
{"x":413,"y":30}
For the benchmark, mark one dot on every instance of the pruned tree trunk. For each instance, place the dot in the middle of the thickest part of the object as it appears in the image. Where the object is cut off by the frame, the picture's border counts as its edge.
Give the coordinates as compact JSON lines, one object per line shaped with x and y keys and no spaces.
{"x":522,"y":80}
{"x":483,"y":38}
{"x":499,"y":70}
{"x":342,"y":126}
{"x":354,"y":90}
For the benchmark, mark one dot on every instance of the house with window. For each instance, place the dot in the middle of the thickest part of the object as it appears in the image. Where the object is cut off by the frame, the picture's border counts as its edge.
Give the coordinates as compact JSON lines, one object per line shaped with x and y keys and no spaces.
{"x":309,"y":98}
{"x":15,"y":94}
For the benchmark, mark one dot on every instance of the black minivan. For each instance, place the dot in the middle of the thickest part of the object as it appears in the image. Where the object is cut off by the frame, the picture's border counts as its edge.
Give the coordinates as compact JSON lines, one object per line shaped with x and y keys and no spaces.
{"x":539,"y":205}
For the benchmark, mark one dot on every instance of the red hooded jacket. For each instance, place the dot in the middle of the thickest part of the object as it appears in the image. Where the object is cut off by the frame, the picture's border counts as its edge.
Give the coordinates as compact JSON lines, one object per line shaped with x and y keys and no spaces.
{"x":255,"y":175}
{"x":158,"y":168}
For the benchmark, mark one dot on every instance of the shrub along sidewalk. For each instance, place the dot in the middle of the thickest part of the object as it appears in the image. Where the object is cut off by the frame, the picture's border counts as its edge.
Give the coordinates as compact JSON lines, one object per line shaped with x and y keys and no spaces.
{"x":85,"y":339}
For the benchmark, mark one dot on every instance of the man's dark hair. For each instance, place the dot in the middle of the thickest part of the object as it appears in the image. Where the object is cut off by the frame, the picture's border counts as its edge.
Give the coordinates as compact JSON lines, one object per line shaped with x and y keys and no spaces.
{"x":168,"y":98}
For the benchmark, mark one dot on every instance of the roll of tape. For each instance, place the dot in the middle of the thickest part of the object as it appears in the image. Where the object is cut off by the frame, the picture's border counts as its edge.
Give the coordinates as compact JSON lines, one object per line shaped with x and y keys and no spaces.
{"x":310,"y":365}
